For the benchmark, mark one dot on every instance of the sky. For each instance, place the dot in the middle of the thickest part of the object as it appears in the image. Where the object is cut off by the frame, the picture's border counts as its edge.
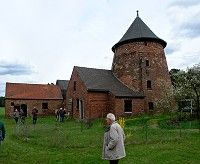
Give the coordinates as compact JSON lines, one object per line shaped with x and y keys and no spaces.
{"x":42,"y":40}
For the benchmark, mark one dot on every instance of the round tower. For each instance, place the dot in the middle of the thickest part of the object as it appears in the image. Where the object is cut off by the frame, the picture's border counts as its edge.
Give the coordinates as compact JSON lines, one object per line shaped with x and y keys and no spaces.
{"x":139,"y":62}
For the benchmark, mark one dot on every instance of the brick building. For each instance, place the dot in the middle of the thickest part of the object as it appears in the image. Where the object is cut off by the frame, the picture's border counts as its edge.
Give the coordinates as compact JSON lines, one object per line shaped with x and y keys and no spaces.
{"x":132,"y":86}
{"x":45,"y":97}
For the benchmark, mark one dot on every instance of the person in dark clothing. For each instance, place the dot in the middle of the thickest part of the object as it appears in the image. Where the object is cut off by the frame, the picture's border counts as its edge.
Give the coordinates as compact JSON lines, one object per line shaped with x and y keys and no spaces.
{"x":2,"y":132}
{"x":62,"y":115}
{"x":34,"y":114}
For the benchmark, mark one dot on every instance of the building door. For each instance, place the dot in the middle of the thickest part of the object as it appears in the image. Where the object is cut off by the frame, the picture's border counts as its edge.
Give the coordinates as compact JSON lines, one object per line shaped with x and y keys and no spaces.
{"x":24,"y":109}
{"x":81,"y":109}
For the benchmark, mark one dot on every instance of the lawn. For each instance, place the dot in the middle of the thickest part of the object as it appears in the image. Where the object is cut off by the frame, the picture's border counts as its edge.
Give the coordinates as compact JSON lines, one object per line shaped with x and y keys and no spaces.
{"x":147,"y":141}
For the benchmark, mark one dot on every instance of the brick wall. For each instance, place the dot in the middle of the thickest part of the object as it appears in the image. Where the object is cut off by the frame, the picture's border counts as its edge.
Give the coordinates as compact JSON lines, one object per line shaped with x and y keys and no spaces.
{"x":80,"y":93}
{"x":52,"y":105}
{"x":98,"y":104}
{"x":137,"y":107}
{"x":129,"y":66}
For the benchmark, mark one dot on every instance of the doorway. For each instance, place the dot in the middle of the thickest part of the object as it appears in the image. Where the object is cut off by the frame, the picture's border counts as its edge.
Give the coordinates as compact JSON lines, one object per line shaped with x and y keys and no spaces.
{"x":81,"y":109}
{"x":24,"y":109}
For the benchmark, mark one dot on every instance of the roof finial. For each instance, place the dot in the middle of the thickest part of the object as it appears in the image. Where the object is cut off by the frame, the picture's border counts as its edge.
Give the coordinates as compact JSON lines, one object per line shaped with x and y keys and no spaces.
{"x":137,"y":13}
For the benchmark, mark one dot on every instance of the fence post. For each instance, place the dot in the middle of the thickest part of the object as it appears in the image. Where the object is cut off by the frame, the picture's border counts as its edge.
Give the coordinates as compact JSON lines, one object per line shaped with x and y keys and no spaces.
{"x":180,"y":124}
{"x":146,"y":131}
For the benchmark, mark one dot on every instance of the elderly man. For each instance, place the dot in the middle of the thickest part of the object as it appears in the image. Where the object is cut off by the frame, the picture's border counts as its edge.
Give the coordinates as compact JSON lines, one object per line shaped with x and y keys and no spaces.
{"x":113,"y":146}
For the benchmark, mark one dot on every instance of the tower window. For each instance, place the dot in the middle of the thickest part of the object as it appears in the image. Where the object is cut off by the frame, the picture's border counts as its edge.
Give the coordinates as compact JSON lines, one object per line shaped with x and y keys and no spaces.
{"x":77,"y":104}
{"x":151,"y":106}
{"x":127,"y":105}
{"x":147,"y":63}
{"x":74,"y":85}
{"x":149,"y":84}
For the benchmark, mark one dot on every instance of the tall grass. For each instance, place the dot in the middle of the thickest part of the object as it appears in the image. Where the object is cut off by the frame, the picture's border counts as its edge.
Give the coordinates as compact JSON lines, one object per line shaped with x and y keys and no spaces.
{"x":72,"y":142}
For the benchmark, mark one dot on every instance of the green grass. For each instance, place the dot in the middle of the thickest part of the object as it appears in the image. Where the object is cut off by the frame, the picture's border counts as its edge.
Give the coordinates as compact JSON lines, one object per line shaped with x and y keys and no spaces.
{"x":147,"y":141}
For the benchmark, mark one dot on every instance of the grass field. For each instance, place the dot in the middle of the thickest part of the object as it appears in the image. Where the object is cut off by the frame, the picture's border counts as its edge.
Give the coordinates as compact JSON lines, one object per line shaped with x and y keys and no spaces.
{"x":147,"y":141}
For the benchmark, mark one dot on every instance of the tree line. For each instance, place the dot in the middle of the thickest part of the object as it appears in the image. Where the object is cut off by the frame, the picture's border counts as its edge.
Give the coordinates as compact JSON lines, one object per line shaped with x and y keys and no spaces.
{"x":187,"y":85}
{"x":2,"y":101}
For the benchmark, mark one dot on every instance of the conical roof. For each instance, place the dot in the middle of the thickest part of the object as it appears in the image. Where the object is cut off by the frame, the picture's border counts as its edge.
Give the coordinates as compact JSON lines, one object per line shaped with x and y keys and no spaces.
{"x":138,"y":31}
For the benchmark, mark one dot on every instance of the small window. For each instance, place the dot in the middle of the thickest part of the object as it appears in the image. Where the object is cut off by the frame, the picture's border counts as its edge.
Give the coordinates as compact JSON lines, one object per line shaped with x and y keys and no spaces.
{"x":127,"y":105}
{"x":12,"y":104}
{"x":74,"y":85}
{"x":147,"y":63}
{"x":149,"y":84}
{"x":44,"y":105}
{"x":151,"y":106}
{"x":77,"y":103}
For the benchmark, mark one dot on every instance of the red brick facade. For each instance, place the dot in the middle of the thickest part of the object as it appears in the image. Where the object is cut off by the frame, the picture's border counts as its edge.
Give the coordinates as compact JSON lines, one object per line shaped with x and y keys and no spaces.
{"x":30,"y":104}
{"x":76,"y":91}
{"x":46,"y":98}
{"x":139,"y":64}
{"x":96,"y":104}
{"x":136,"y":63}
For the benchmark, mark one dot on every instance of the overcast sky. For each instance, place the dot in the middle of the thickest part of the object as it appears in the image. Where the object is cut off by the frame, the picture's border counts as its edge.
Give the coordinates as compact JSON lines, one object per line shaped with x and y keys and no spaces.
{"x":41,"y":40}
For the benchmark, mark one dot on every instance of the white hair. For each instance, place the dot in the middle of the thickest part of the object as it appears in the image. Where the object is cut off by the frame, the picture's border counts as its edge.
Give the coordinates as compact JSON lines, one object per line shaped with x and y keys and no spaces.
{"x":111,"y":116}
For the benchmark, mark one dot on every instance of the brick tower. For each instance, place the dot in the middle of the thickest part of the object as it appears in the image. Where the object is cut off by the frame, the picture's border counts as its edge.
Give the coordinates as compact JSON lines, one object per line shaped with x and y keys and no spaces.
{"x":139,"y":62}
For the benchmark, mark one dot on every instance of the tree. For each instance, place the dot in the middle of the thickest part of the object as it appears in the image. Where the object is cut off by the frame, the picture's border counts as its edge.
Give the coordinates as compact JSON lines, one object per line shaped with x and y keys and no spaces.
{"x":187,"y":84}
{"x":193,"y":83}
{"x":173,"y":75}
{"x":2,"y":101}
{"x":167,"y":102}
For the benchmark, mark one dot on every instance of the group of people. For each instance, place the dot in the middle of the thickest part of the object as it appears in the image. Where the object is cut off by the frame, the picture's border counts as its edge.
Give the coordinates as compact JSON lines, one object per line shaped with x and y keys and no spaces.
{"x":60,"y":114}
{"x":19,"y":115}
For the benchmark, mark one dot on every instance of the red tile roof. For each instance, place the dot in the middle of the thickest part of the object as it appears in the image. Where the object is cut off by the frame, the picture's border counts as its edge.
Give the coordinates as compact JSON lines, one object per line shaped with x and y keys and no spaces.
{"x":32,"y":91}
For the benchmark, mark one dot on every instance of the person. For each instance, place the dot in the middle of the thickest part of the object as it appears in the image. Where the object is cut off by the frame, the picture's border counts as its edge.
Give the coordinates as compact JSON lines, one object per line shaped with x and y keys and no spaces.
{"x":113,"y":145}
{"x":16,"y":115}
{"x":34,"y":114}
{"x":22,"y":116}
{"x":2,"y":132}
{"x":62,"y":114}
{"x":57,"y":113}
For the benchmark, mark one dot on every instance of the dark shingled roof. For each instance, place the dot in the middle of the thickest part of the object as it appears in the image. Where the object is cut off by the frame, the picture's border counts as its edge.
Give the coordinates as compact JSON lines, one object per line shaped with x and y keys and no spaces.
{"x":62,"y":84}
{"x":101,"y":80}
{"x":139,"y":31}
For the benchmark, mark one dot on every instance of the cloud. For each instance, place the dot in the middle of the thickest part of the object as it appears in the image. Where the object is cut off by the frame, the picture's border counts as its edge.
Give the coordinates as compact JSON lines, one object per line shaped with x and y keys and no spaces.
{"x":185,"y":3}
{"x":185,"y":22}
{"x":15,"y":69}
{"x":190,"y":29}
{"x":183,"y":60}
{"x":171,"y":49}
